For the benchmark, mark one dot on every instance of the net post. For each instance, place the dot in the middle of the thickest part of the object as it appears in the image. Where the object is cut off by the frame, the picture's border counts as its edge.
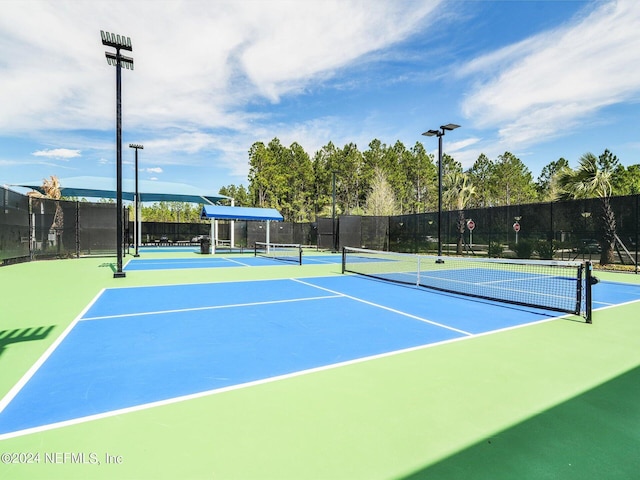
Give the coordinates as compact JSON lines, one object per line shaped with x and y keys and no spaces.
{"x":300,"y":254}
{"x":581,"y":290}
{"x":589,"y":281}
{"x":268,"y":232}
{"x":344,"y":259}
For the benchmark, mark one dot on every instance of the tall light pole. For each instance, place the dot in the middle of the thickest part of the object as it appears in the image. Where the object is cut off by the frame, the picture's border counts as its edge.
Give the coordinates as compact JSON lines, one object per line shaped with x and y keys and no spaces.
{"x":440,"y":133}
{"x":136,"y":203}
{"x":119,"y":43}
{"x":334,"y":239}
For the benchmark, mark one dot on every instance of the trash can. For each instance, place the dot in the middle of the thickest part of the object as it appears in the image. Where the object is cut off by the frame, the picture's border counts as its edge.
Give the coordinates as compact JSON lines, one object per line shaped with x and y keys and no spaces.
{"x":205,"y":246}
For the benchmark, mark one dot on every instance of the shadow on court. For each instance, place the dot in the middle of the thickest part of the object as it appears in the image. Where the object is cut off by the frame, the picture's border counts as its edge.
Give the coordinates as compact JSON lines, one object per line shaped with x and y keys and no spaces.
{"x":110,"y":265}
{"x":594,"y":435}
{"x":18,"y":335}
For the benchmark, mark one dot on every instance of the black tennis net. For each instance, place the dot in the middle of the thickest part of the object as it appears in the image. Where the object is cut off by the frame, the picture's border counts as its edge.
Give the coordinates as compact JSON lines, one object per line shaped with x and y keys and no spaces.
{"x":286,"y":252}
{"x":551,"y":285}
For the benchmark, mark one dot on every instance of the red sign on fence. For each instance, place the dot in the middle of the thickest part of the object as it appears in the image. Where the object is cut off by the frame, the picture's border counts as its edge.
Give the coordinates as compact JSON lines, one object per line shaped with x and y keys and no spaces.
{"x":516,"y":227}
{"x":471,"y":224}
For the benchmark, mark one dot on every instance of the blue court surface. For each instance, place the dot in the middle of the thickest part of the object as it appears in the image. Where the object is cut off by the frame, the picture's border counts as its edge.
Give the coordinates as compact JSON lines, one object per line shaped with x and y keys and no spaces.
{"x":213,"y":261}
{"x":143,"y":346}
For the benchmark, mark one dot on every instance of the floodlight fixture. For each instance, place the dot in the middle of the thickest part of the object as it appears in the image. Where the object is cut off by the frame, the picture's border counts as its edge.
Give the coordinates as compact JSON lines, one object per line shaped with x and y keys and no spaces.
{"x":431,"y":133}
{"x":116,"y":41}
{"x":112,"y":59}
{"x":440,"y":133}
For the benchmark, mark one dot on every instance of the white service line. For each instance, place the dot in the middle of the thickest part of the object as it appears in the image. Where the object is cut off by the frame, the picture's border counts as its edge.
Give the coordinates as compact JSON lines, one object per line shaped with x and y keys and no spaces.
{"x":184,"y":398}
{"x":209,"y":307}
{"x":387,"y":308}
{"x":236,"y":261}
{"x":207,"y":393}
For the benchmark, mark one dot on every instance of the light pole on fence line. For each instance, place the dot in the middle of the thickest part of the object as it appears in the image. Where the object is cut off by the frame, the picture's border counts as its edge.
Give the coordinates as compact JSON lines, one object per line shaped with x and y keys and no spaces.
{"x":440,"y":133}
{"x":119,"y":43}
{"x":136,"y":202}
{"x":334,"y":240}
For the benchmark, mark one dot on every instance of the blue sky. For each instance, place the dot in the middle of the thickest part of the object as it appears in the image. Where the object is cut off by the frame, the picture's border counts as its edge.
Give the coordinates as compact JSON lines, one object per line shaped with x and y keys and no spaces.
{"x":541,"y":79}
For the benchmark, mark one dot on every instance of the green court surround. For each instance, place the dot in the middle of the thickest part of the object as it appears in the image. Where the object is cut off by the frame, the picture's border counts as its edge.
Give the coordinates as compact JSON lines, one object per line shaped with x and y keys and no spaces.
{"x":552,"y":400}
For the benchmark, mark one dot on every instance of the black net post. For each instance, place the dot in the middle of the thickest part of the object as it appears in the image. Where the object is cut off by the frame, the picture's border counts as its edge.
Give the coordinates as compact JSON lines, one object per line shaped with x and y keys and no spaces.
{"x":590,"y":280}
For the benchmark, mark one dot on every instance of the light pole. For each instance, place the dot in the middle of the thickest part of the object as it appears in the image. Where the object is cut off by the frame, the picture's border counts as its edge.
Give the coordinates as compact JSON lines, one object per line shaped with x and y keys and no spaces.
{"x":136,"y":203}
{"x":334,"y":240}
{"x":440,"y":133}
{"x":119,"y":43}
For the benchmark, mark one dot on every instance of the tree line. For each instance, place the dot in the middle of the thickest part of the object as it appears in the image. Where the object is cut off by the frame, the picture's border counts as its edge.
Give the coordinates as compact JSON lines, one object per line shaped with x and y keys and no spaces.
{"x":393,"y":179}
{"x":388,"y":180}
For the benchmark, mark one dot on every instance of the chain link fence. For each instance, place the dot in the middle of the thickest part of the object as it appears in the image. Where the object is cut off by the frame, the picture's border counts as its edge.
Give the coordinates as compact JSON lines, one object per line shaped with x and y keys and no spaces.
{"x":33,"y":227}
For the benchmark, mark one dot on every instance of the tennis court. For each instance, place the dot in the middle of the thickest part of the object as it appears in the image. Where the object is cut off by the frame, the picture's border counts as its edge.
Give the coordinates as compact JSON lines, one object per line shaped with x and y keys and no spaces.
{"x":219,"y":261}
{"x":289,"y":371}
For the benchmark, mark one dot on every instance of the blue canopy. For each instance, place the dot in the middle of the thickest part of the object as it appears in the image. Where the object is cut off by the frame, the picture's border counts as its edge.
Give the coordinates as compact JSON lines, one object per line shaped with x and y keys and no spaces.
{"x":150,"y":191}
{"x":219,"y":212}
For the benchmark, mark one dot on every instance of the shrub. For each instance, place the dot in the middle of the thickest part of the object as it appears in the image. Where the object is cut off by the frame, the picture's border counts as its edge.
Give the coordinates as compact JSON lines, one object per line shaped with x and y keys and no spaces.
{"x":523,"y":249}
{"x":545,"y":249}
{"x":495,"y":249}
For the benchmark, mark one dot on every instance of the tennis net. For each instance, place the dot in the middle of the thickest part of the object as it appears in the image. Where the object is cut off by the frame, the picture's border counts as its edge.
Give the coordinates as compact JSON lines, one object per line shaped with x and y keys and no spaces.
{"x":552,"y":285}
{"x":286,"y":252}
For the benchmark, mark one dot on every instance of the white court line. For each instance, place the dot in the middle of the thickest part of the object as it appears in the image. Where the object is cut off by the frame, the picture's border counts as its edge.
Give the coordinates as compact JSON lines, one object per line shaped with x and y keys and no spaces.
{"x":209,"y":307}
{"x":11,"y":394}
{"x":233,"y":260}
{"x":206,"y":263}
{"x":122,"y":411}
{"x":612,"y":305}
{"x":176,"y":261}
{"x":204,"y":282}
{"x":43,"y":358}
{"x":175,"y":265}
{"x":207,"y":393}
{"x":318,"y":260}
{"x":385,"y":308}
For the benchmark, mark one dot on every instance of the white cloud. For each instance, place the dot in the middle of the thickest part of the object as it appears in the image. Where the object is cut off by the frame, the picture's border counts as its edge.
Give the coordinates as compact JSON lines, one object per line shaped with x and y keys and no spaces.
{"x":9,"y":163}
{"x":553,"y":82}
{"x":200,"y":68}
{"x":153,"y":170}
{"x":61,"y":153}
{"x":456,"y":146}
{"x":189,"y":142}
{"x":319,"y":36}
{"x":197,"y":63}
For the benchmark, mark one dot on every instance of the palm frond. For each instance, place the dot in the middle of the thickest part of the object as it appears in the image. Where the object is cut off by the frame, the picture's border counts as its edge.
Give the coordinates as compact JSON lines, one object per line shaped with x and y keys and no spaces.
{"x":587,"y":181}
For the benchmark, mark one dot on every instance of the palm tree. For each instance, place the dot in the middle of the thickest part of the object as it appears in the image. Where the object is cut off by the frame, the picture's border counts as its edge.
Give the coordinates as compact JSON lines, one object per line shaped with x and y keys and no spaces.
{"x":590,"y":180}
{"x":458,"y":191}
{"x":51,"y":187}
